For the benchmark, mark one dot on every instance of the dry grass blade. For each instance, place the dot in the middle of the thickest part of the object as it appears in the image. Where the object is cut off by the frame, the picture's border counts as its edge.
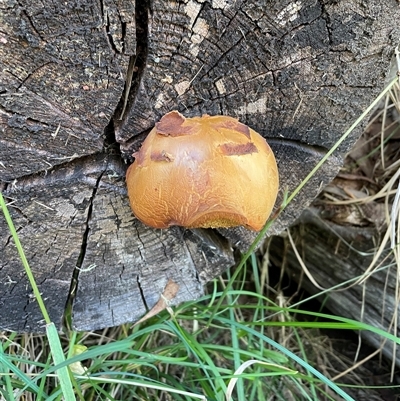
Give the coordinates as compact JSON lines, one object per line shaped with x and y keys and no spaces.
{"x":243,"y":367}
{"x":367,"y":193}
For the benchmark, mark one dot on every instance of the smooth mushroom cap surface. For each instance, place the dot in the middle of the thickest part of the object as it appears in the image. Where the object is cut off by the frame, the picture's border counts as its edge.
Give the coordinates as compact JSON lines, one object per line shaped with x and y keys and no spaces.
{"x":209,"y":171}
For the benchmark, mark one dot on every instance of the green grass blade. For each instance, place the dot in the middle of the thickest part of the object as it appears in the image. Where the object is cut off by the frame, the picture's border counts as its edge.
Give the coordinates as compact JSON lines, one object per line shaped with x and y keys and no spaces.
{"x":291,"y":355}
{"x":24,"y":261}
{"x":305,"y":358}
{"x":25,"y":379}
{"x":4,"y":373}
{"x":352,"y":323}
{"x":236,"y":355}
{"x":42,"y":395}
{"x":58,"y":357}
{"x":201,"y":355}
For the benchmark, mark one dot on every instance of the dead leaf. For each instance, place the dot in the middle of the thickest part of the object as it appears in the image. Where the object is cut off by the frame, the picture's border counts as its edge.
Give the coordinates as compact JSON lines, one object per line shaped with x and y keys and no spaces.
{"x":169,"y":293}
{"x":77,"y":367}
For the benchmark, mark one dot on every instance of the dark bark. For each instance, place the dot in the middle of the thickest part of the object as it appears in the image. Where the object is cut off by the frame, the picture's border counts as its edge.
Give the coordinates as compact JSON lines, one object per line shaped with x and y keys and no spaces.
{"x":81,"y":84}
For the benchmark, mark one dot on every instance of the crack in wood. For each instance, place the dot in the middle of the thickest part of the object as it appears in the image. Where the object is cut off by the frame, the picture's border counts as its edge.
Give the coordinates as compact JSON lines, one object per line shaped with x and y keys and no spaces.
{"x":75,"y":274}
{"x":214,"y":239}
{"x":109,"y":35}
{"x":134,"y":74}
{"x":30,"y":74}
{"x":8,"y":241}
{"x":136,"y":67}
{"x":14,"y":207}
{"x":142,"y":246}
{"x":30,"y":21}
{"x":142,"y":293}
{"x":295,"y":143}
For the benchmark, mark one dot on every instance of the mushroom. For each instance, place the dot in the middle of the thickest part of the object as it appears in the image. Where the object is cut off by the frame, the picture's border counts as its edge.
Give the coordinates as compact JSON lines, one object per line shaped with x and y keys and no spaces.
{"x":209,"y":171}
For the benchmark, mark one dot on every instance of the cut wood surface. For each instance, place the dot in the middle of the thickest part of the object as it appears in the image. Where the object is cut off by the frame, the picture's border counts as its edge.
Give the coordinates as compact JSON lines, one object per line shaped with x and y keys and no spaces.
{"x":334,"y":254}
{"x":81,"y":83}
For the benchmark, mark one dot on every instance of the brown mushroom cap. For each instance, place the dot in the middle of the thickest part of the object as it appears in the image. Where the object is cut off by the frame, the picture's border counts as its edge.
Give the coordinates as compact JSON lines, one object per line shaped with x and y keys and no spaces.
{"x":209,"y":171}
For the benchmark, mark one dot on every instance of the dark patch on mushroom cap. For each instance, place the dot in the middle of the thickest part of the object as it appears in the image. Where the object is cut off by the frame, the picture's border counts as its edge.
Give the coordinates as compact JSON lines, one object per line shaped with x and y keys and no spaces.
{"x":231,"y":149}
{"x":139,"y":156}
{"x":235,"y":125}
{"x":172,"y":124}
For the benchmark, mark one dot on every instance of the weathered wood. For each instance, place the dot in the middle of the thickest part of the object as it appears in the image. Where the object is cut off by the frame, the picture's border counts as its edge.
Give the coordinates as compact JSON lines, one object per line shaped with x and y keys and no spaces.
{"x":77,"y":95}
{"x":61,"y":80}
{"x":76,"y":221}
{"x":297,"y":71}
{"x":50,"y":214}
{"x":126,"y":265}
{"x":334,"y":254}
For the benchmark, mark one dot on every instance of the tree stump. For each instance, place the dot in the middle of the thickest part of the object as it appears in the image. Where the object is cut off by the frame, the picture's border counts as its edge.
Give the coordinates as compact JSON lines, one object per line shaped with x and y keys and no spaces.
{"x":83,"y":82}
